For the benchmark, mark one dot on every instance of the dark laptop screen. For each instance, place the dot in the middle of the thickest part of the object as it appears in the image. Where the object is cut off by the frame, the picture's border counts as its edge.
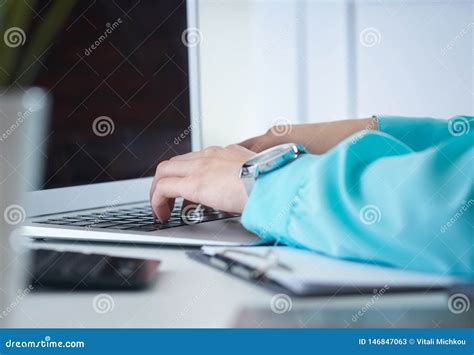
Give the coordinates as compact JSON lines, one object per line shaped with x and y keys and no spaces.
{"x":117,"y":71}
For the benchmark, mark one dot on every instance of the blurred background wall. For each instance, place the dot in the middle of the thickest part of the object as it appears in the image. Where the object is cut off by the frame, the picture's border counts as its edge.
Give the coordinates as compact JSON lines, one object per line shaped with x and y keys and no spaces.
{"x":278,"y":61}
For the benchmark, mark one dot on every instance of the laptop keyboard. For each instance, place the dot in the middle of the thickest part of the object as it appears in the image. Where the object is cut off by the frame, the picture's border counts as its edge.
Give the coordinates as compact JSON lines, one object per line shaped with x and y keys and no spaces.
{"x":137,"y":219}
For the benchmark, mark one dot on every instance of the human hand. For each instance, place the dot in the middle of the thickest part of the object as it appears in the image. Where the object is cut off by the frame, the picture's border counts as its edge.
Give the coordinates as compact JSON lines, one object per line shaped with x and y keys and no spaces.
{"x":317,"y":138}
{"x":209,"y":177}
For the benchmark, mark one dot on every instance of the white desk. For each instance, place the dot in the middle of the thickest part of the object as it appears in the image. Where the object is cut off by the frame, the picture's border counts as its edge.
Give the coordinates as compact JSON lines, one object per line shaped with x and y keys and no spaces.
{"x":186,"y":294}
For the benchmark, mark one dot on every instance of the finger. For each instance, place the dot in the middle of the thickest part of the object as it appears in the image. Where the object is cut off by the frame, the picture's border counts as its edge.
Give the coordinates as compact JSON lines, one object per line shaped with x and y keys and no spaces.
{"x":187,"y":156}
{"x":169,"y":168}
{"x":188,"y":203}
{"x":207,"y":152}
{"x":166,"y":189}
{"x":171,"y":203}
{"x":176,"y":168}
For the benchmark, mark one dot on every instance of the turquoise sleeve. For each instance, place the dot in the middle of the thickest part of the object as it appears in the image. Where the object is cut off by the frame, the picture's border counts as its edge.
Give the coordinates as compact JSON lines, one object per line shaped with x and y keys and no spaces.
{"x":380,"y":198}
{"x":423,"y":132}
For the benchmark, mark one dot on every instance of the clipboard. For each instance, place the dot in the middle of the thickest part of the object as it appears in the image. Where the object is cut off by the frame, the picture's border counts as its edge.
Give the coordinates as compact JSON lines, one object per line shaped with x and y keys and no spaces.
{"x":303,"y":273}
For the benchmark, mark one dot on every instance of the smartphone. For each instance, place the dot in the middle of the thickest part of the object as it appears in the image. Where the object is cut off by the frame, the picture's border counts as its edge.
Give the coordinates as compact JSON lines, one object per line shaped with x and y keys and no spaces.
{"x":80,"y":271}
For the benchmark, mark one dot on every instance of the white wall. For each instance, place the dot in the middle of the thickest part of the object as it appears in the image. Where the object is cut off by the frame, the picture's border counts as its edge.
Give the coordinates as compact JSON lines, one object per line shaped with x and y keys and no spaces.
{"x":328,"y":58}
{"x":423,"y":62}
{"x":248,"y":67}
{"x":227,"y":68}
{"x":297,"y":61}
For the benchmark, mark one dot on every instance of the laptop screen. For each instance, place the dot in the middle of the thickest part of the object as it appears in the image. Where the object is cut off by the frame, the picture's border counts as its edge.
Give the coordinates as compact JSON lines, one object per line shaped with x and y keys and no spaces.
{"x":117,"y":72}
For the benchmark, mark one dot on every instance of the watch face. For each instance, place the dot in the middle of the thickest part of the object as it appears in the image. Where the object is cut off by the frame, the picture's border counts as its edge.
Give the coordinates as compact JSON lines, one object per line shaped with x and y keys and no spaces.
{"x":269,"y":154}
{"x":274,"y":157}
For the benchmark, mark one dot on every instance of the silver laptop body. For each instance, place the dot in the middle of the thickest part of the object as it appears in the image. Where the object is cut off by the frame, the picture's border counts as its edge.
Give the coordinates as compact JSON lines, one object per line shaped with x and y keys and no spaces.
{"x":52,"y":212}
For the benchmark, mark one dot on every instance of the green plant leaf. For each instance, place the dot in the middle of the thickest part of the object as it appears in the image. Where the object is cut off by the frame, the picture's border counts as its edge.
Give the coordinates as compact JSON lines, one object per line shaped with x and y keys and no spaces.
{"x":43,"y":37}
{"x":16,"y":14}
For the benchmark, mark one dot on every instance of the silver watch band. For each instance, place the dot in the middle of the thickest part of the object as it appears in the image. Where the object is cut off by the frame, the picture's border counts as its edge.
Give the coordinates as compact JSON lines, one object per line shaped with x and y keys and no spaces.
{"x":249,"y":182}
{"x":267,"y":161}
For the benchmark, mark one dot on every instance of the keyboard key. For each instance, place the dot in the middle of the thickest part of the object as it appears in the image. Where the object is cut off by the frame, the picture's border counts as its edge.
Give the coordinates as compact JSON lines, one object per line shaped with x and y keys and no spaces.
{"x":79,"y":224}
{"x":103,"y":224}
{"x":135,"y":218}
{"x":120,"y":226}
{"x":147,"y":228}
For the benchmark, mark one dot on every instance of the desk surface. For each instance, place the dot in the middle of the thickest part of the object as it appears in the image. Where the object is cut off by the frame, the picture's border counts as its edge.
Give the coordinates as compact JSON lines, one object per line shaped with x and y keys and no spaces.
{"x":187,"y":294}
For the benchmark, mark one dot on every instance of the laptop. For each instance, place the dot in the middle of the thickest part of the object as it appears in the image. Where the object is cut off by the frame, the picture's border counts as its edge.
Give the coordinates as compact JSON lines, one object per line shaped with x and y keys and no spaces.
{"x":124,"y":79}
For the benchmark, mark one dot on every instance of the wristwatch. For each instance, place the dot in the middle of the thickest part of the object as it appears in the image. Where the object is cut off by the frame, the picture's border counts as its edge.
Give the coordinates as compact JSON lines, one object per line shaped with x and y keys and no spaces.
{"x":267,"y":161}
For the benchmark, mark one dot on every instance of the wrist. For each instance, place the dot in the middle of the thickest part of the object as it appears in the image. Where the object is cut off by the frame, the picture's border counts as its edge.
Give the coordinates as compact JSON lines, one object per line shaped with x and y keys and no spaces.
{"x":372,"y":123}
{"x":268,"y":161}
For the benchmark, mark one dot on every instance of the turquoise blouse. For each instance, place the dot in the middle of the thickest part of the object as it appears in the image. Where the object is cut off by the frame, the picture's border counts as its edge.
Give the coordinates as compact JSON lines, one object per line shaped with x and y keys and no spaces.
{"x":400,"y":196}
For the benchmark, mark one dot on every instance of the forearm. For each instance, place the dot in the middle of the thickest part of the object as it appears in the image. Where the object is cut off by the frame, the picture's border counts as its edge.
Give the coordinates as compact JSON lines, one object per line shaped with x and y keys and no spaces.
{"x":317,"y":138}
{"x":351,"y":203}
